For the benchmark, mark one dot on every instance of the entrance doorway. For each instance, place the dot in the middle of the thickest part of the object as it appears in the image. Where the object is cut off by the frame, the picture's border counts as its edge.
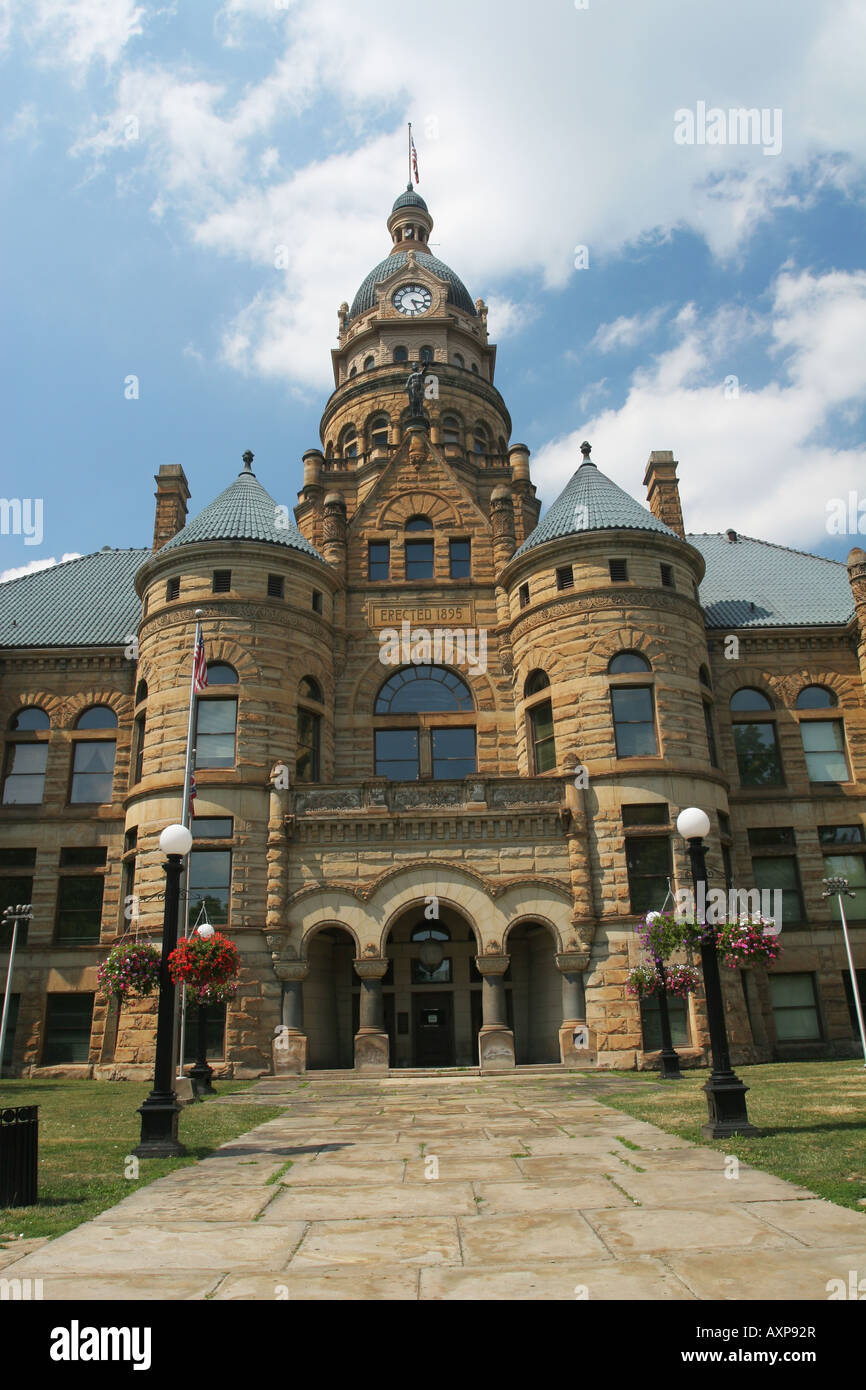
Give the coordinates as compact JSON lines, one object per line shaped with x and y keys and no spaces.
{"x":434,"y":1030}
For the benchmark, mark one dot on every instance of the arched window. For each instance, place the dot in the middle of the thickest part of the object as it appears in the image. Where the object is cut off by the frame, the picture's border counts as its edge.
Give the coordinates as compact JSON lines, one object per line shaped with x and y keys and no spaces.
{"x":451,"y":432}
{"x":749,"y":699}
{"x":26,"y":756}
{"x":379,"y":432}
{"x":220,"y":673}
{"x":704,"y":677}
{"x":308,"y":753}
{"x":756,"y":740}
{"x":459,"y":360}
{"x":369,"y":363}
{"x":401,"y":354}
{"x":93,"y":759}
{"x":353,"y":371}
{"x":97,"y":717}
{"x":475,"y":368}
{"x":426,"y":354}
{"x":535,"y":682}
{"x":349,"y":442}
{"x":481,"y":439}
{"x":816,"y":697}
{"x":442,"y":745}
{"x":431,"y":931}
{"x":309,"y":689}
{"x":419,"y":553}
{"x":625,"y":662}
{"x":140,"y":692}
{"x":502,"y":446}
{"x":633,"y":709}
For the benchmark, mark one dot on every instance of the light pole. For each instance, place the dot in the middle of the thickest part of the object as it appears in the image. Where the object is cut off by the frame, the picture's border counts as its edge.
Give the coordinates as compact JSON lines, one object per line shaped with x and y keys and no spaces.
{"x":160,"y":1111}
{"x":21,"y":912}
{"x":839,"y":886}
{"x":725,"y":1092}
{"x":200,"y":1074}
{"x":669,"y":1058}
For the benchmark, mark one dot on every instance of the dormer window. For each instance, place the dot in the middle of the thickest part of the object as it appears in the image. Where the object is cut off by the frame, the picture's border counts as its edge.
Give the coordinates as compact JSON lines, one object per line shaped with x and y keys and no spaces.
{"x":401,"y":354}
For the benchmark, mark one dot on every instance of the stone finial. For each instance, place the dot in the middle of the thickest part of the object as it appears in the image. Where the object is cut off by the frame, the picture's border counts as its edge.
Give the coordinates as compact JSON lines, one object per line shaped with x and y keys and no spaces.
{"x":586,"y":450}
{"x":343,"y":316}
{"x":248,"y":457}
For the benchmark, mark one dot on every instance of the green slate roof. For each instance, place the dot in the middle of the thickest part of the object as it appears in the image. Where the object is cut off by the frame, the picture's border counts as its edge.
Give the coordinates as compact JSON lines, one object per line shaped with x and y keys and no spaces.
{"x":409,"y":199}
{"x":592,"y":502}
{"x":88,"y":602}
{"x":366,"y":296}
{"x":751,"y":583}
{"x":243,"y":512}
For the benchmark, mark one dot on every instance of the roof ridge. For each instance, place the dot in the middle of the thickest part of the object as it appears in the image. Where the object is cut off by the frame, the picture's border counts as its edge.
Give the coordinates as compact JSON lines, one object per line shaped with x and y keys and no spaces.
{"x":76,"y":559}
{"x":774,"y":545}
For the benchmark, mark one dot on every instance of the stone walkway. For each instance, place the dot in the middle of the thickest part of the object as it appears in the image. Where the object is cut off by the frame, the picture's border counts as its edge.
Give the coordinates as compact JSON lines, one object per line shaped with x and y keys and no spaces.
{"x":439,"y":1187}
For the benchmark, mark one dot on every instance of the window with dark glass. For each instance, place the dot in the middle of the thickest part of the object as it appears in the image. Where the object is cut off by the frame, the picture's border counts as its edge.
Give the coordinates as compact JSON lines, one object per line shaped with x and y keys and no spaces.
{"x":212,"y":827}
{"x":795,"y":1007}
{"x":453,"y":753}
{"x":724,"y":823}
{"x":172,"y":589}
{"x":541,"y":736}
{"x":379,"y":432}
{"x":646,"y":813}
{"x":210,"y":878}
{"x":624,"y":663}
{"x":450,"y":429}
{"x":92,"y":771}
{"x":68,"y":1023}
{"x":308,"y":757}
{"x":16,"y":889}
{"x":618,"y":571}
{"x":426,"y":354}
{"x":780,"y":871}
{"x":704,"y":677}
{"x":758,"y":757}
{"x":816,"y":697}
{"x":481,"y":439}
{"x":428,"y":689}
{"x":523,"y":595}
{"x":401,"y":354}
{"x":824,"y":747}
{"x":127,"y":883}
{"x":276,"y":586}
{"x":565,"y":577}
{"x":369,"y":363}
{"x":419,"y":553}
{"x":432,"y":975}
{"x":678,"y":1015}
{"x":535,"y":682}
{"x":841,"y":835}
{"x":633,"y":721}
{"x":26,"y":758}
{"x":648,"y":863}
{"x":728,"y":866}
{"x":220,"y":673}
{"x":851,"y":866}
{"x":459,"y":359}
{"x":771,"y":837}
{"x":79,"y":908}
{"x":138,"y":749}
{"x":215,"y":725}
{"x":317,"y":600}
{"x":349,"y":442}
{"x":222,"y":581}
{"x":397,"y":754}
{"x":309,"y":689}
{"x":379,"y":560}
{"x":460,"y":559}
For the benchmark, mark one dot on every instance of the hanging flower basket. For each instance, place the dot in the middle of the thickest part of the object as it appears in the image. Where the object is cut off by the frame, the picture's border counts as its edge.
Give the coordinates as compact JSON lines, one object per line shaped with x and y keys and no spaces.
{"x":682,"y":980}
{"x":208,"y":966}
{"x":129,"y":970}
{"x":645,"y":980}
{"x":748,"y":942}
{"x":662,"y":933}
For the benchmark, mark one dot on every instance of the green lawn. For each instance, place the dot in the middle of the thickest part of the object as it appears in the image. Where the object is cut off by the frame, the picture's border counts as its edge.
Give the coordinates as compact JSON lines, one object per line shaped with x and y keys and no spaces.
{"x":812,"y":1118}
{"x":87,"y":1129}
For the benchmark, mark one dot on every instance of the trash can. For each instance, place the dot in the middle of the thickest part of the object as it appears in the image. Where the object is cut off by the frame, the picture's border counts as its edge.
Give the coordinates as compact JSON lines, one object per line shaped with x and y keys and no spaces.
{"x":19,"y":1150}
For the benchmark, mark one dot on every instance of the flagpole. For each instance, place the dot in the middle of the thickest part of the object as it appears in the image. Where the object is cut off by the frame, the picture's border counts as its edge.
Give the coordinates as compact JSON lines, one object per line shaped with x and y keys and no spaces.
{"x":410,"y":153}
{"x":187,"y":780}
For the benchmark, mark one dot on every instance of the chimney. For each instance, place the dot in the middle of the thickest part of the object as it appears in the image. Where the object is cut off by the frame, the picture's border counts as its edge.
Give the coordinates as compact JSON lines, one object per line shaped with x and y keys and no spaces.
{"x":172,"y":495}
{"x":663,"y":493}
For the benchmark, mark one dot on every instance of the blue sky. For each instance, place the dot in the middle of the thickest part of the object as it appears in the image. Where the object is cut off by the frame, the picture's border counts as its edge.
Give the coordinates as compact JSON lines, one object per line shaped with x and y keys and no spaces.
{"x":155,"y":155}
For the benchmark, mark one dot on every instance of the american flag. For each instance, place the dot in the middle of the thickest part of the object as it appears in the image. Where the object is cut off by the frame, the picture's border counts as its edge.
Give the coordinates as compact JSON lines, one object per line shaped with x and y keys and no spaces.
{"x":414,"y":155}
{"x":199,"y":667}
{"x":192,"y":794}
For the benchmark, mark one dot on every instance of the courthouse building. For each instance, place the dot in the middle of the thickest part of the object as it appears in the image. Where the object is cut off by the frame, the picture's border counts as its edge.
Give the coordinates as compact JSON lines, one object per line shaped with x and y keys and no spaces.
{"x":443,"y":742}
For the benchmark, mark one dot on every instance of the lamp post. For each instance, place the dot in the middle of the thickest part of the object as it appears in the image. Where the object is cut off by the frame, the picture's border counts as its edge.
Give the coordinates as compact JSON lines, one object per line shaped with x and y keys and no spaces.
{"x":200,"y":1074}
{"x":21,"y":912}
{"x":160,"y":1111}
{"x":669,"y":1058}
{"x":839,"y":886}
{"x":725,"y":1092}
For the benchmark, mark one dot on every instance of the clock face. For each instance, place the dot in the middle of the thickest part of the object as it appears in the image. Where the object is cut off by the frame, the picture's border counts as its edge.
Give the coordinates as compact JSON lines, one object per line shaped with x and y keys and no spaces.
{"x":412,"y":300}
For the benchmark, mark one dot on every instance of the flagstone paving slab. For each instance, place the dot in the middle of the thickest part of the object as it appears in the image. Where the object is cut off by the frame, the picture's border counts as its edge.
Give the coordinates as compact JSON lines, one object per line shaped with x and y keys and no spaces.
{"x":334,"y":1199}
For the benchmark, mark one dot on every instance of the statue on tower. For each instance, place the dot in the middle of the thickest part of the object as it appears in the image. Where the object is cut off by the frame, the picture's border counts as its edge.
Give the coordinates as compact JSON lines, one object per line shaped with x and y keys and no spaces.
{"x":415,"y":391}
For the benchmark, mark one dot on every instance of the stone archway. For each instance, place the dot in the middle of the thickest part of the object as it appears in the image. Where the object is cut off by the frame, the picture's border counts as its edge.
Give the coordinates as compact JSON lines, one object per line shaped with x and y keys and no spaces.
{"x":536,"y":993}
{"x":328,"y":1000}
{"x":434,"y":1011}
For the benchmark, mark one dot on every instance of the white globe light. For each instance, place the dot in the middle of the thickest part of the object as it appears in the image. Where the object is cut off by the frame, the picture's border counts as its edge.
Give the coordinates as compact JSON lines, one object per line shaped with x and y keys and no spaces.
{"x":175,"y":839}
{"x":205,"y":931}
{"x":693,"y":823}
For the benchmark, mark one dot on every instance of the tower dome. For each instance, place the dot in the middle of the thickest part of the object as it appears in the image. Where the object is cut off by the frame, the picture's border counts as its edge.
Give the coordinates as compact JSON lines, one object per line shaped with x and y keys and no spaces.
{"x":410,"y":225}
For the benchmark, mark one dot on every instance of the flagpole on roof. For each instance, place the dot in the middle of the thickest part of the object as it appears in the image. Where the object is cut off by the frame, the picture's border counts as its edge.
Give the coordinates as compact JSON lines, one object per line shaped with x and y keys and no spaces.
{"x":410,"y":153}
{"x":196,"y":683}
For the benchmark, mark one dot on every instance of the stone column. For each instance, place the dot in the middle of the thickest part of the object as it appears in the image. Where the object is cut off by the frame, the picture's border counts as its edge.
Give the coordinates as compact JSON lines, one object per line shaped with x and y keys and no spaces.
{"x":290,"y":1042}
{"x":334,"y":531}
{"x":857,"y":580}
{"x":502,"y":520}
{"x":371,"y":1040}
{"x":577,"y":1045}
{"x":495,"y":1040}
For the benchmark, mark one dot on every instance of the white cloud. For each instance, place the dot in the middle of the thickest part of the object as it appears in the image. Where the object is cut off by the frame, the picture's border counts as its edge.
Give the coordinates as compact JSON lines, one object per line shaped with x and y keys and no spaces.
{"x":74,"y":34}
{"x":626,"y":332}
{"x":24,"y":124}
{"x":36,"y":565}
{"x":758,"y":461}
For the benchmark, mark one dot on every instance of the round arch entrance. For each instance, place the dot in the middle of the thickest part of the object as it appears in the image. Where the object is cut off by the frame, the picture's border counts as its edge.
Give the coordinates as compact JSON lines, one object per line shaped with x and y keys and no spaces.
{"x":432,"y":991}
{"x":328,"y":1000}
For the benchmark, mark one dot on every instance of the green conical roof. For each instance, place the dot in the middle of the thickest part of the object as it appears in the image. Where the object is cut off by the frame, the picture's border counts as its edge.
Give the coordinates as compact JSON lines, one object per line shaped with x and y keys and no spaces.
{"x":245,"y":511}
{"x":592,"y":502}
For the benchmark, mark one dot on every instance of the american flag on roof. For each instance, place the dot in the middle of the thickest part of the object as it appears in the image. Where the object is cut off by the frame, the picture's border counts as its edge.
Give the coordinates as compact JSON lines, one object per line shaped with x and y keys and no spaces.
{"x":414,"y":153}
{"x":199,"y":667}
